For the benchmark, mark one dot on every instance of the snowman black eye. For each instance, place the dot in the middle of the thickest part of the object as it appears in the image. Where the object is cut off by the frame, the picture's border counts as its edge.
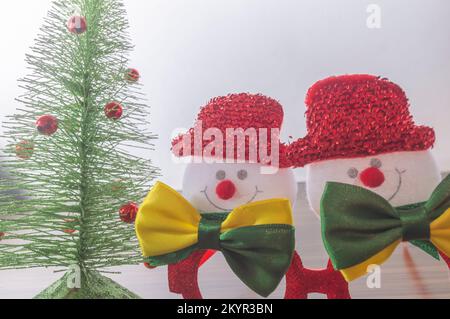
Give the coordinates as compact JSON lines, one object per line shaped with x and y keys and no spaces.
{"x":353,"y":173}
{"x":242,"y":174}
{"x":376,"y":163}
{"x":221,"y":175}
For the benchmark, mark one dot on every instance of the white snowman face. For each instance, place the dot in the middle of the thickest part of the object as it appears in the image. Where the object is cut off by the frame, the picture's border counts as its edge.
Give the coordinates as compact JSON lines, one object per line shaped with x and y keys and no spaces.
{"x":402,"y":178}
{"x":215,"y":188}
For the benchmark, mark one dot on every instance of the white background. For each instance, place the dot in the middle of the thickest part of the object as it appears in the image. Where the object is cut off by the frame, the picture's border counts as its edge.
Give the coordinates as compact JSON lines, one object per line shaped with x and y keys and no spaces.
{"x":191,"y":51}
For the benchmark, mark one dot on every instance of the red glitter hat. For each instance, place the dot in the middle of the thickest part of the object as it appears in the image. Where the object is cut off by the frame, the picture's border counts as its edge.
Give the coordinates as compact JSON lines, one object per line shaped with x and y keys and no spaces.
{"x":237,"y":111}
{"x":354,"y":116}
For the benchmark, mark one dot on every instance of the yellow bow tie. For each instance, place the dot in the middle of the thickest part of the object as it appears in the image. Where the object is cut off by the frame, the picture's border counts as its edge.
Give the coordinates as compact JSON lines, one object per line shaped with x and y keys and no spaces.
{"x":256,"y":239}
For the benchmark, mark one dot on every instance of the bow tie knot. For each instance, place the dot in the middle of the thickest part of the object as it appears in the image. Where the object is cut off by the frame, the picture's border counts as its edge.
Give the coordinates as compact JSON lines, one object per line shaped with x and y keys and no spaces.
{"x":415,"y":224}
{"x":209,"y":231}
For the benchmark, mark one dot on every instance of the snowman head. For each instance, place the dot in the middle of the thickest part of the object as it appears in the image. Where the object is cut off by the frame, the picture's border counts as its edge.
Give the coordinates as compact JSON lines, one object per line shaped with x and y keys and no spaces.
{"x":402,"y":178}
{"x":237,"y":157}
{"x":360,"y":132}
{"x":221,"y":187}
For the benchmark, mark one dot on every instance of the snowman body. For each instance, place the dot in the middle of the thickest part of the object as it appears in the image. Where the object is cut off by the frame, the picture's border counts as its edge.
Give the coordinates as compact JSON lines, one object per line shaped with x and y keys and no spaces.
{"x":219,"y":188}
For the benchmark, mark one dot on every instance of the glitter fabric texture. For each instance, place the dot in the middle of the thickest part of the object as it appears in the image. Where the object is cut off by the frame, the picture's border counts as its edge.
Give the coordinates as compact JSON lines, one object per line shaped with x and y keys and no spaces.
{"x":357,"y":116}
{"x":300,"y":281}
{"x":237,"y":111}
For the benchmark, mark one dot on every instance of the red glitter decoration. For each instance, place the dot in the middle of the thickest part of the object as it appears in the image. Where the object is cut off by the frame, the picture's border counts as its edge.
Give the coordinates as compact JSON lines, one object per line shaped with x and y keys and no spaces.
{"x":372,"y":177}
{"x":77,"y":25}
{"x":236,"y":111}
{"x":2,"y":235}
{"x":47,"y":125}
{"x":25,"y":149}
{"x":355,"y":116}
{"x":300,"y":282}
{"x":70,"y":231}
{"x":128,"y":213}
{"x":114,"y":110}
{"x":132,"y":75}
{"x":225,"y":190}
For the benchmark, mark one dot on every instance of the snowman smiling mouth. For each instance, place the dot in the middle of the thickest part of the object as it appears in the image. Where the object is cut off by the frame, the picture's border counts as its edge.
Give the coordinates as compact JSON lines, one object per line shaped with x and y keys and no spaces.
{"x":400,"y":182}
{"x":205,"y":191}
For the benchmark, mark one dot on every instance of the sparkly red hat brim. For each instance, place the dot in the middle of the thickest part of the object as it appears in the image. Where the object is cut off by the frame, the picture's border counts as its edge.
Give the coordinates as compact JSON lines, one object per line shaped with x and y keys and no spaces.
{"x":243,"y":111}
{"x":306,"y":151}
{"x":284,"y":160}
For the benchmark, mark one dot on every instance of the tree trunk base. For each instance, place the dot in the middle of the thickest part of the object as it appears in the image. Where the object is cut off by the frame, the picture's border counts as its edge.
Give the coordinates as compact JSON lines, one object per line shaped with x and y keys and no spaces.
{"x":95,"y":286}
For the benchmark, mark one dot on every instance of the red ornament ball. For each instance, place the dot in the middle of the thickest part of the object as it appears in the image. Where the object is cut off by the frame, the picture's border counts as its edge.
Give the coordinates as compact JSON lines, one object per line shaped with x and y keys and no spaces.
{"x":77,"y":25}
{"x":128,"y":213}
{"x":24,"y":149}
{"x":114,"y":110}
{"x":2,"y":235}
{"x":47,"y":125}
{"x":132,"y":75}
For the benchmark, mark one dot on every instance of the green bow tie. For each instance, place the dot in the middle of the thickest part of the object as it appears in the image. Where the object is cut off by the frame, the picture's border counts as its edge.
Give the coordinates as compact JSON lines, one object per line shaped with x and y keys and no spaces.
{"x":361,"y":228}
{"x":257,"y":239}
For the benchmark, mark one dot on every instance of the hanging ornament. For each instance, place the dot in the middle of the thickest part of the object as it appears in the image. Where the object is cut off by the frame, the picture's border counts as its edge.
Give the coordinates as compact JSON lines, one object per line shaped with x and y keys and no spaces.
{"x":114,"y":110}
{"x":25,"y":149}
{"x":132,"y":75}
{"x":77,"y":24}
{"x":128,"y":213}
{"x":47,"y":125}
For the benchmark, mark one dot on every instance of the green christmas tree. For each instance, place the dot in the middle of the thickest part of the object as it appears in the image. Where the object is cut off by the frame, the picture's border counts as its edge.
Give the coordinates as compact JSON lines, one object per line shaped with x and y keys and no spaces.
{"x":70,"y":170}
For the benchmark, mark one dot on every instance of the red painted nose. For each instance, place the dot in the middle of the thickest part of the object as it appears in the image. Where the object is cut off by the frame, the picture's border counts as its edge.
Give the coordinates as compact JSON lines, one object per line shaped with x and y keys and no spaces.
{"x":372,"y":177}
{"x":226,"y":190}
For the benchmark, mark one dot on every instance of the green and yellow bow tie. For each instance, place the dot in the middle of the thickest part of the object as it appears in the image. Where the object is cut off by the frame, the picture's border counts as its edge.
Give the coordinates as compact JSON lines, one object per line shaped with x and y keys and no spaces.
{"x":361,"y":228}
{"x":257,"y":240}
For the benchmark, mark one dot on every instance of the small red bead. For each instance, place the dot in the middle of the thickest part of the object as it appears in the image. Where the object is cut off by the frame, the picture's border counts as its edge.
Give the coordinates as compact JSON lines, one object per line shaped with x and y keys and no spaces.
{"x":47,"y":125}
{"x":128,"y":213}
{"x":77,"y":25}
{"x":372,"y":177}
{"x":132,"y":75}
{"x":114,"y":110}
{"x":226,"y":190}
{"x":24,"y":149}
